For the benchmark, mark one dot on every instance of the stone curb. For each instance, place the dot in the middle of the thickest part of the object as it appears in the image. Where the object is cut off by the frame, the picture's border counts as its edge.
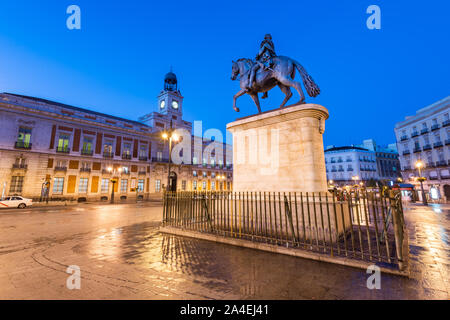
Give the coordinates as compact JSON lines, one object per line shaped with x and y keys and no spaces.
{"x":280,"y":250}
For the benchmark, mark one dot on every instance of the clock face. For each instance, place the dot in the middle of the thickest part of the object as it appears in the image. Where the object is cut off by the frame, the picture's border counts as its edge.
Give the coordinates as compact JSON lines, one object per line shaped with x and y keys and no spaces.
{"x":175,"y":104}
{"x":162,"y":105}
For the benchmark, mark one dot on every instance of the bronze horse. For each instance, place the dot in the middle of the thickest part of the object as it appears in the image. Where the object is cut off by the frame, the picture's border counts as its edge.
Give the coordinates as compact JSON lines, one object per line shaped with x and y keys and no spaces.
{"x":282,"y":75}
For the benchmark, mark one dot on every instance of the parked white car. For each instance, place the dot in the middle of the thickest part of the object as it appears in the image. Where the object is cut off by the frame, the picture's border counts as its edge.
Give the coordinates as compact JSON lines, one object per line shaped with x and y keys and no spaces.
{"x":15,"y":202}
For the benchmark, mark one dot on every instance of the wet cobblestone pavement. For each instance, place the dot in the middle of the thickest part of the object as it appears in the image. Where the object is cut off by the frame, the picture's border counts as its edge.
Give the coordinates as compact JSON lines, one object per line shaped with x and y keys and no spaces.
{"x":122,"y":256}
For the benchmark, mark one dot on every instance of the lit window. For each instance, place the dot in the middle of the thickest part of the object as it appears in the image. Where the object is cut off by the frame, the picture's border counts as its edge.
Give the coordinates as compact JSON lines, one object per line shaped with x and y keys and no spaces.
{"x":143,"y":151}
{"x":123,"y":185}
{"x":58,"y":185}
{"x":87,"y":145}
{"x":126,"y":150}
{"x":63,"y":142}
{"x":105,"y":185}
{"x":157,"y":185}
{"x":83,"y":185}
{"x":141,"y":185}
{"x":24,"y":137}
{"x":16,"y":184}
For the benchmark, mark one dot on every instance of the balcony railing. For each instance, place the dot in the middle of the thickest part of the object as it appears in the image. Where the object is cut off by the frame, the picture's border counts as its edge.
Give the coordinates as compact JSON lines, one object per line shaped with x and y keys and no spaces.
{"x":403,"y":138}
{"x":406,"y":152}
{"x":405,"y":168}
{"x":20,"y":166}
{"x":143,"y":158}
{"x":142,"y":173}
{"x":437,"y":144}
{"x":85,"y":152}
{"x":85,"y":169}
{"x":60,"y":169}
{"x":108,"y":154}
{"x":434,"y":127}
{"x":447,"y":142}
{"x":163,"y":160}
{"x":445,"y":123}
{"x":417,"y":149}
{"x":22,"y":145}
{"x":414,"y":134}
{"x":63,"y":149}
{"x":423,"y":131}
{"x":441,"y":163}
{"x":427,"y":147}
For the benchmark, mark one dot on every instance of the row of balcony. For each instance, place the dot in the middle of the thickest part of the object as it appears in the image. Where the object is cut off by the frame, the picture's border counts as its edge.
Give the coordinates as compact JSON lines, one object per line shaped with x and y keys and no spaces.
{"x":350,"y":160}
{"x":437,"y":164}
{"x":204,"y":165}
{"x":110,"y":155}
{"x":427,"y":147}
{"x":425,"y":130}
{"x":104,"y":171}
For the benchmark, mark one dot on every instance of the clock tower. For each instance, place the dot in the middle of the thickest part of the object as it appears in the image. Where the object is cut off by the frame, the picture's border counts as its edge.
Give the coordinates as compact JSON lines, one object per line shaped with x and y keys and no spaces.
{"x":170,"y":100}
{"x":169,"y":109}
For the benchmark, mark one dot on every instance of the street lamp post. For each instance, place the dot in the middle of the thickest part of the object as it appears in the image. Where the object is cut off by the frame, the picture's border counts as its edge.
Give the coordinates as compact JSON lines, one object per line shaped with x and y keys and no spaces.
{"x":355,"y":179}
{"x":171,"y":136}
{"x":419,"y":166}
{"x":113,"y":181}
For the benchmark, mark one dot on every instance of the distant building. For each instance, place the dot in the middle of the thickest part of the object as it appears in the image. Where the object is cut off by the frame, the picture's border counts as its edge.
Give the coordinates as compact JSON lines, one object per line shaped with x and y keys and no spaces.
{"x":425,"y":136}
{"x":361,"y":163}
{"x":79,"y":153}
{"x":388,"y":164}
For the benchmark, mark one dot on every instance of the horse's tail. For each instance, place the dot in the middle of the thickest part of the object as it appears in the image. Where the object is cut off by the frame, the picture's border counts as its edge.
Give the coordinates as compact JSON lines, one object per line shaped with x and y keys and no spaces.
{"x":311,"y":87}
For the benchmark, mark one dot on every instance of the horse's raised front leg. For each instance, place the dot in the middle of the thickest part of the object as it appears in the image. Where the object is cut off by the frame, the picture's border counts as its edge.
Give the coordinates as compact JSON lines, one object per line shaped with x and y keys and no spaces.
{"x":296,"y":85}
{"x":287,"y":91}
{"x":237,"y":95}
{"x":256,"y":100}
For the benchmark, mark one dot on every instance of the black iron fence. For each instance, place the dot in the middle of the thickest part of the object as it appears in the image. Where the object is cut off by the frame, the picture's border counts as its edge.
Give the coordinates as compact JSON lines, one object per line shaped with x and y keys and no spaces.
{"x":359,"y":224}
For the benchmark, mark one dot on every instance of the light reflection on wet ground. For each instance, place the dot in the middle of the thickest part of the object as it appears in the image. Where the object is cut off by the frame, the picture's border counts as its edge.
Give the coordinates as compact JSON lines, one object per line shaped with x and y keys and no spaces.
{"x":122,"y":255}
{"x":246,"y":273}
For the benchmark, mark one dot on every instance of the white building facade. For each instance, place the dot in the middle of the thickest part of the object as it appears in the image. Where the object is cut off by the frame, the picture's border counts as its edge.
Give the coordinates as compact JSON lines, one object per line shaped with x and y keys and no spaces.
{"x":349,"y":165}
{"x":425,"y":136}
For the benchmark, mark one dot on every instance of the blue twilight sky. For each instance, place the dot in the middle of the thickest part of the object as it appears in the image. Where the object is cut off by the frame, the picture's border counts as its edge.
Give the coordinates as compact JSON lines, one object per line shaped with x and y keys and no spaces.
{"x":370,"y":79}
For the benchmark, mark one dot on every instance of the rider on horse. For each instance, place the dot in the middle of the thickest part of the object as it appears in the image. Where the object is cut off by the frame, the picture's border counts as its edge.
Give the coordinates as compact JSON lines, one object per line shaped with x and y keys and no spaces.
{"x":264,"y":60}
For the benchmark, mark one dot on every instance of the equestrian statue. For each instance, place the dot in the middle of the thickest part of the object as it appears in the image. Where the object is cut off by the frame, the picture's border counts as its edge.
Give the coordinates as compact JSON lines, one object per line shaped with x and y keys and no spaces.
{"x":267,"y":71}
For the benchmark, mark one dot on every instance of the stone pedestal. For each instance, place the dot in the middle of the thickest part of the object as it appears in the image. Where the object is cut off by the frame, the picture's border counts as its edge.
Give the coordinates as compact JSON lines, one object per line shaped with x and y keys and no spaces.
{"x":280,"y":150}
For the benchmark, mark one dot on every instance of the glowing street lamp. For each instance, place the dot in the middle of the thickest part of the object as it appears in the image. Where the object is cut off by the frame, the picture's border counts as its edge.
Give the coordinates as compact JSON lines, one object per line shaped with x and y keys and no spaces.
{"x":171,"y":136}
{"x":419,"y":165}
{"x":113,"y":181}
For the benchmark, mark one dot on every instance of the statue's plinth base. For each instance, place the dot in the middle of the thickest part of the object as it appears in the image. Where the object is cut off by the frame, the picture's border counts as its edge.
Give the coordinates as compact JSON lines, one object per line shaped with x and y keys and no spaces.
{"x":280,"y":150}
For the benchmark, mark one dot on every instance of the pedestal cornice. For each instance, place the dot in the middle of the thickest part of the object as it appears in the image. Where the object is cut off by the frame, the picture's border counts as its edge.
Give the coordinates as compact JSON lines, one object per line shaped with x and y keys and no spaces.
{"x":280,"y":115}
